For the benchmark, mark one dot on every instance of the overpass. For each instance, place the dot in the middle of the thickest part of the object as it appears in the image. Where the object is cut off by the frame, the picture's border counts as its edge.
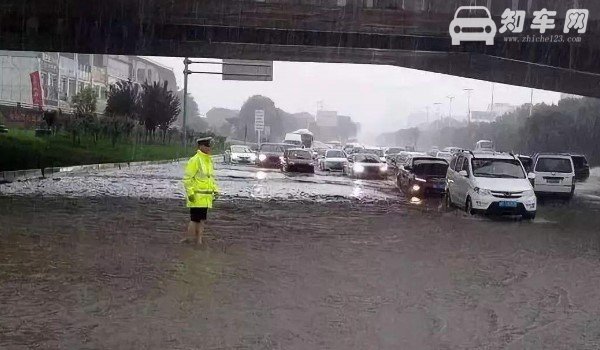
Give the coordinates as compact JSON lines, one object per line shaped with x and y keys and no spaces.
{"x":407,"y":33}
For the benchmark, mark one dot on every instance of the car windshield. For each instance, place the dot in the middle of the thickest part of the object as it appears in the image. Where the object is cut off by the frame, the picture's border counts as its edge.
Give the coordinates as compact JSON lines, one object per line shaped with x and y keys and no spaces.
{"x":299,"y":154}
{"x":486,"y":144}
{"x":367,"y":158}
{"x":429,"y":168}
{"x":497,"y":168}
{"x":271,"y":148}
{"x":240,"y":149}
{"x":335,"y":154}
{"x":472,"y":13}
{"x":444,"y":155}
{"x":554,"y":165}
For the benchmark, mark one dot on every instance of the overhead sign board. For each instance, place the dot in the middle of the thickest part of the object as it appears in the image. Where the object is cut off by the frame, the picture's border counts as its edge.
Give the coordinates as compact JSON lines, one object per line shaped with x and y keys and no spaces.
{"x":259,"y":120}
{"x":248,"y":70}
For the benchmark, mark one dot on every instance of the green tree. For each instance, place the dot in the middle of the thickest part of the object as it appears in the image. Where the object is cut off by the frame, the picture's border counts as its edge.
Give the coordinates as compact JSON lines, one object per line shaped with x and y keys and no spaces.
{"x":159,"y":108}
{"x":83,"y":118}
{"x":122,"y":109}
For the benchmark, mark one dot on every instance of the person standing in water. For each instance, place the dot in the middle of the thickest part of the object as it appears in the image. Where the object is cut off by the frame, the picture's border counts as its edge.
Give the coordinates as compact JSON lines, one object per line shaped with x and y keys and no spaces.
{"x":200,"y":189}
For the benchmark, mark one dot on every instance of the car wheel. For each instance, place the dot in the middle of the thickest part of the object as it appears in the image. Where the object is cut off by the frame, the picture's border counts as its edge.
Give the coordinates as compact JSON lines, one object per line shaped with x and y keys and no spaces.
{"x":528,"y":216}
{"x":469,"y":206}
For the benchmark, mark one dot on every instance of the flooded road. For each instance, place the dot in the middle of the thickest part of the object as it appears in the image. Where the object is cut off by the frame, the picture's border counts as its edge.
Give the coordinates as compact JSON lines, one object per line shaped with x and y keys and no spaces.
{"x":293,"y":262}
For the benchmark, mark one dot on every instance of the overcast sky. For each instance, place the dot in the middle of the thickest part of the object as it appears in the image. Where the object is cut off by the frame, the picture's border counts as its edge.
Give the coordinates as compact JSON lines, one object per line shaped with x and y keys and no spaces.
{"x":379,"y":97}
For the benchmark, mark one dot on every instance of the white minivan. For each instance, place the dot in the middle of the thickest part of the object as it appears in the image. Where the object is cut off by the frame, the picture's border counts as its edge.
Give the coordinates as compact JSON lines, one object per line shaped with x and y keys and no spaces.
{"x":490,"y":183}
{"x":554,"y":174}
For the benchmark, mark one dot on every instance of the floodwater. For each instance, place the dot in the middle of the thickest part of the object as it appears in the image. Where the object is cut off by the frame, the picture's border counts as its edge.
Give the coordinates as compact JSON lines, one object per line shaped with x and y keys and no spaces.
{"x":293,"y":262}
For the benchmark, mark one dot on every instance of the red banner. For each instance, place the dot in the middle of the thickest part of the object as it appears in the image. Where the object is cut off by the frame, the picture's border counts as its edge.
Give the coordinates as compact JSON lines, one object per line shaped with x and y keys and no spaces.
{"x":36,"y":89}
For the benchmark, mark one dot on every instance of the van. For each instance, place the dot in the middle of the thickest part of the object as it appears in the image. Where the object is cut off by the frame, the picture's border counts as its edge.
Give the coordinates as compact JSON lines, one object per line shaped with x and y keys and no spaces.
{"x":554,"y":175}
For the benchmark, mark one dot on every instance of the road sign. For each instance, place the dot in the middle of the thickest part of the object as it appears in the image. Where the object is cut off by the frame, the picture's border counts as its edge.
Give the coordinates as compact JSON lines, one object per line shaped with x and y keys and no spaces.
{"x":248,"y":70}
{"x":259,"y":120}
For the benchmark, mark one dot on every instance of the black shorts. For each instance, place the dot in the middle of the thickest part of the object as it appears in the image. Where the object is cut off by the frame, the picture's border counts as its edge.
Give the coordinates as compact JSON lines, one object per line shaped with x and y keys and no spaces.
{"x":198,"y":214}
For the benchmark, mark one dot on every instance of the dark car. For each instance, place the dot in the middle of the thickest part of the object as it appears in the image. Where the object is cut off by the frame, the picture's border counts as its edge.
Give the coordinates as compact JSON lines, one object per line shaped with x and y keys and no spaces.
{"x":582,"y":168}
{"x":270,"y":155}
{"x":422,"y":176}
{"x":527,"y":162}
{"x":298,"y":160}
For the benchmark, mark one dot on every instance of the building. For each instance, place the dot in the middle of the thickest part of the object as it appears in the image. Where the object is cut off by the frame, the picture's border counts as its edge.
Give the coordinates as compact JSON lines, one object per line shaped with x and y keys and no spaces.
{"x":494,"y":111}
{"x":64,"y":75}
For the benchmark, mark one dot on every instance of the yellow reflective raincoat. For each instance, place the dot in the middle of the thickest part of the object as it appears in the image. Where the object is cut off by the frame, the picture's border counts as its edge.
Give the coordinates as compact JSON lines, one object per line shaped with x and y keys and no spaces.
{"x":198,"y":180}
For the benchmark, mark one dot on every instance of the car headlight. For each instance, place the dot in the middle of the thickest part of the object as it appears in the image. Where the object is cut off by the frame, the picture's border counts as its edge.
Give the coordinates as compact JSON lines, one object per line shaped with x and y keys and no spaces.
{"x":262,"y":157}
{"x":528,"y":193}
{"x":415,"y":188}
{"x":482,"y":191}
{"x":281,"y":158}
{"x":384,"y":167}
{"x":253,"y":156}
{"x":358,"y":168}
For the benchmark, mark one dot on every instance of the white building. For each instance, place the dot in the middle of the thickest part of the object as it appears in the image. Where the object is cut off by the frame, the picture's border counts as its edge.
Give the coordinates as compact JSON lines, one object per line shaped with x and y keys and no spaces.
{"x":64,"y":75}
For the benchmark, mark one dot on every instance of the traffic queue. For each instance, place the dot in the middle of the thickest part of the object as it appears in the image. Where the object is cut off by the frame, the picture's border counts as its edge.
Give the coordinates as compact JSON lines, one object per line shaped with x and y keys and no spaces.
{"x":481,"y":180}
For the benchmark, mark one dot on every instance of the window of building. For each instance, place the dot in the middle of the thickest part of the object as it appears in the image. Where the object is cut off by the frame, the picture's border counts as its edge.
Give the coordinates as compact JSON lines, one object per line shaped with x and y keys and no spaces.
{"x":141,"y":74}
{"x":72,"y":87}
{"x":99,"y":61}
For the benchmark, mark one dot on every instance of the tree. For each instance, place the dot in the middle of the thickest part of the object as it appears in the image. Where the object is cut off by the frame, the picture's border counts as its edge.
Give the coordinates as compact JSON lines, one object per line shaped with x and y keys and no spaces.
{"x":122,"y":109}
{"x":194,"y":120}
{"x":123,"y":100}
{"x":159,"y":108}
{"x":83,"y":119}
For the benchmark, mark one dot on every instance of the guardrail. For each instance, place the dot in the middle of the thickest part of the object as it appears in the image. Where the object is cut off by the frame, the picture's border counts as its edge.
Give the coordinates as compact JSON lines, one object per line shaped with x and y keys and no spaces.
{"x":32,"y":174}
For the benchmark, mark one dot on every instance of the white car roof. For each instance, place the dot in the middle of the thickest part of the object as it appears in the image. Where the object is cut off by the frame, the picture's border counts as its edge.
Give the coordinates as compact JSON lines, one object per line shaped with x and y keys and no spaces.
{"x":489,"y":155}
{"x":554,"y":155}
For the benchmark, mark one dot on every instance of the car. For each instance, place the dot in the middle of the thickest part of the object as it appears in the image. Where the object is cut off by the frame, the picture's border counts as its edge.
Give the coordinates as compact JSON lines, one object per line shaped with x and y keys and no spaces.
{"x":366,"y":165}
{"x":472,"y":23}
{"x":554,"y":175}
{"x":433,"y":151}
{"x":490,"y":183}
{"x":484,"y":146}
{"x":582,"y":167}
{"x":334,"y":159}
{"x":239,"y":154}
{"x":270,"y":155}
{"x":373,"y":150}
{"x":392,"y":151}
{"x":298,"y":160}
{"x":447,"y":156}
{"x":452,"y":149}
{"x":526,"y":161}
{"x":422,"y":176}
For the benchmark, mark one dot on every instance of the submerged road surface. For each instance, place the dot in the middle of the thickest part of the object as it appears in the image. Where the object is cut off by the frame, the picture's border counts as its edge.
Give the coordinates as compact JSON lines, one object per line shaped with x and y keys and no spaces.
{"x":321,"y":261}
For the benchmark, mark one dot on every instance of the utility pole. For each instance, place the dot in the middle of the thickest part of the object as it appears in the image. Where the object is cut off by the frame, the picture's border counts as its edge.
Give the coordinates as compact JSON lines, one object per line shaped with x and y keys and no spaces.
{"x":450,"y":98}
{"x":531,"y":104}
{"x":186,"y":72}
{"x":492,"y":104}
{"x":468,"y":105}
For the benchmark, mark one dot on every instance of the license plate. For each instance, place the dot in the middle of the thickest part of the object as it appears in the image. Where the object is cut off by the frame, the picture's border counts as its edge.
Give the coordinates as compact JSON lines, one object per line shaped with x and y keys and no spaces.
{"x":553,"y":181}
{"x":508,"y":204}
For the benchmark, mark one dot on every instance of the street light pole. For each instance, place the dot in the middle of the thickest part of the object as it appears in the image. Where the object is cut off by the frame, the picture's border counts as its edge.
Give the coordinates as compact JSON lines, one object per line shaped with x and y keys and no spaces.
{"x":468,"y":105}
{"x":186,"y":72}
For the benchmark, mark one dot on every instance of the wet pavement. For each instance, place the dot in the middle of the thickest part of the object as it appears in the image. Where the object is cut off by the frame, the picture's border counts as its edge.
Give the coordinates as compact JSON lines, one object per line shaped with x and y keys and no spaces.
{"x":293,"y":262}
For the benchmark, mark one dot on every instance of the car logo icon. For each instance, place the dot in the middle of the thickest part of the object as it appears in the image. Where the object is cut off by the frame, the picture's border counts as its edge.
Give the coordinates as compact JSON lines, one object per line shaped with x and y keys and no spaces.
{"x":472,"y":23}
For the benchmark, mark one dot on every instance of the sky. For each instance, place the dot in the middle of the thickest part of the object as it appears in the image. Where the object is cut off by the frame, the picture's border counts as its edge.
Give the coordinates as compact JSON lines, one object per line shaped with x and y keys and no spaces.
{"x":380,"y":98}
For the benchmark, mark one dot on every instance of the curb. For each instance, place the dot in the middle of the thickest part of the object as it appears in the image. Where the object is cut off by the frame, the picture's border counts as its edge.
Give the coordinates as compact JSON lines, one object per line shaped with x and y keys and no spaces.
{"x":19,"y":175}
